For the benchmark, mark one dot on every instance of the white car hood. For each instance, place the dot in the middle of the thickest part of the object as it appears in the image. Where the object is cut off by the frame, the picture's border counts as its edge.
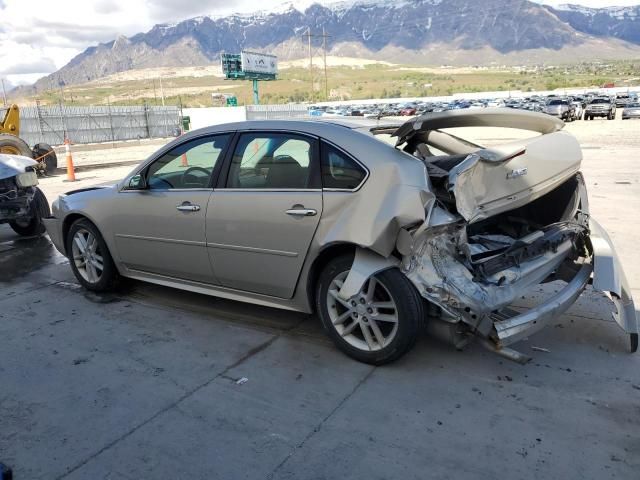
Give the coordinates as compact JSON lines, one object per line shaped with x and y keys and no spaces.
{"x":12,"y":165}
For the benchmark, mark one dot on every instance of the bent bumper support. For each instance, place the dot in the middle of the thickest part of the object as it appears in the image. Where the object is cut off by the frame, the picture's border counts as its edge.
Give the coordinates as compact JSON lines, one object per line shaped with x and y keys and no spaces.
{"x":520,"y":326}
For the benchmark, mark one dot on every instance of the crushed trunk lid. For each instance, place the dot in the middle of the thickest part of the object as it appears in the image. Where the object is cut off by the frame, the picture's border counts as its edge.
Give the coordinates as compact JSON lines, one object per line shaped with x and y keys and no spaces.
{"x":490,"y":181}
{"x":494,"y":180}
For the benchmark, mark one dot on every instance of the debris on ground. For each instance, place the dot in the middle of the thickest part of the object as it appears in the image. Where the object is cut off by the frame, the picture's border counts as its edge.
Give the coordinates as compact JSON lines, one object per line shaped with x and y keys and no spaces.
{"x":540,"y":349}
{"x":242,"y":381}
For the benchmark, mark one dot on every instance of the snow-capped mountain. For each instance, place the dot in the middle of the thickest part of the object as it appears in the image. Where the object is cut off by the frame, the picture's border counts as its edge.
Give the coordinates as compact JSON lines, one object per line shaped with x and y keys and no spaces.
{"x":620,"y":13}
{"x":401,"y":31}
{"x":616,"y":22}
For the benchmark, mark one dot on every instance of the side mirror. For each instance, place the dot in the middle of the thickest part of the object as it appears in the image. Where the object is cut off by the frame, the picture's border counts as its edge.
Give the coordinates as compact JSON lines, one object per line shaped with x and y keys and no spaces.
{"x":137,"y":182}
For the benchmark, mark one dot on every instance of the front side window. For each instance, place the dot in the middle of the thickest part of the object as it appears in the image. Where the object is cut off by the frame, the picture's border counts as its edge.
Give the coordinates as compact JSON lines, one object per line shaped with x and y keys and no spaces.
{"x":271,"y":161}
{"x":339,"y":171}
{"x":189,"y":165}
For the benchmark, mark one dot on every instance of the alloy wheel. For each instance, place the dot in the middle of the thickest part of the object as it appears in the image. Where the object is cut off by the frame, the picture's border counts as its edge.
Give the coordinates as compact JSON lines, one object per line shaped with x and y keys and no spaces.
{"x":369,"y":320}
{"x":87,"y":256}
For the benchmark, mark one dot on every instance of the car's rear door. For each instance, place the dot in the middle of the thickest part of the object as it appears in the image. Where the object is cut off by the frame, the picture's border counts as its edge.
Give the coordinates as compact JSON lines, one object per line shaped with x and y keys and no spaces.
{"x":263,"y":215}
{"x":160,"y":227}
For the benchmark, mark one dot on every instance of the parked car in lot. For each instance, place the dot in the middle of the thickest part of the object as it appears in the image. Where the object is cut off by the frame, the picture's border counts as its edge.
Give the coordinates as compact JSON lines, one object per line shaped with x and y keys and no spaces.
{"x":632,"y":110}
{"x":561,"y":108}
{"x":360,"y":222}
{"x":600,"y":107}
{"x":408,"y":111}
{"x":22,"y":203}
{"x":622,"y":99}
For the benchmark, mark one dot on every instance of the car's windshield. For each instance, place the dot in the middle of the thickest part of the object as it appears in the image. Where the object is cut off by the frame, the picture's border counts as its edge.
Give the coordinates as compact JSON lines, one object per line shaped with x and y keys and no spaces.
{"x":600,"y":100}
{"x":558,"y":102}
{"x":633,"y":105}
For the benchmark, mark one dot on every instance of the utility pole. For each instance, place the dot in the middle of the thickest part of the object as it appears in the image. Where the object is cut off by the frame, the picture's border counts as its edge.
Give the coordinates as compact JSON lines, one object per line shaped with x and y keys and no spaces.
{"x":155,"y":97}
{"x":310,"y":62}
{"x":161,"y":91}
{"x":324,"y":37}
{"x":324,"y":56}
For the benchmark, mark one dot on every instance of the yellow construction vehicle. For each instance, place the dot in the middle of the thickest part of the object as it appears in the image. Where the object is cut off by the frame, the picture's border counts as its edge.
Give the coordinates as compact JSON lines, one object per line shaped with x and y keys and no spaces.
{"x":12,"y":144}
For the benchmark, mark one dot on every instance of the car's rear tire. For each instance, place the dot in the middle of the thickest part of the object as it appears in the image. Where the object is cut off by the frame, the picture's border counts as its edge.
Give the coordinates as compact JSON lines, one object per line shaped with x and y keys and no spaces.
{"x":33,"y":225}
{"x":380,"y":323}
{"x":89,"y":257}
{"x":49,"y":161}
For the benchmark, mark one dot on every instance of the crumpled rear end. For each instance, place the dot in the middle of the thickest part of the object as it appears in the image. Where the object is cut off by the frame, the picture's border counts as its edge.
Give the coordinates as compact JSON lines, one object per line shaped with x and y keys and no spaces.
{"x":474,"y":273}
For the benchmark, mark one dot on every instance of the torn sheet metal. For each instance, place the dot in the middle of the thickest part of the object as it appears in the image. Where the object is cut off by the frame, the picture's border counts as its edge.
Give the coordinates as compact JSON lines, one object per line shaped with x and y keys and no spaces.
{"x":442,"y":278}
{"x":365,"y":265}
{"x":396,"y":197}
{"x":609,"y":277}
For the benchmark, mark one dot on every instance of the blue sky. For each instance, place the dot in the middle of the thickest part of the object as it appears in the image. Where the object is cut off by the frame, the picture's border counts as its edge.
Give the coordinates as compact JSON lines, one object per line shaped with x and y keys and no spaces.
{"x":38,"y":37}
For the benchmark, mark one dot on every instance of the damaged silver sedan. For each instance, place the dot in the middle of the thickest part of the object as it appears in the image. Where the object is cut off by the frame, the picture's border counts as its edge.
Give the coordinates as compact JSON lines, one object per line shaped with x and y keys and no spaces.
{"x":381,"y":229}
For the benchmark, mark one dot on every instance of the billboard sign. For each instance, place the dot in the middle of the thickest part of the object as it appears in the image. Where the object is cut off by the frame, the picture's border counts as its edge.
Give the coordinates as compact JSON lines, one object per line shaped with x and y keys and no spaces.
{"x":253,"y":62}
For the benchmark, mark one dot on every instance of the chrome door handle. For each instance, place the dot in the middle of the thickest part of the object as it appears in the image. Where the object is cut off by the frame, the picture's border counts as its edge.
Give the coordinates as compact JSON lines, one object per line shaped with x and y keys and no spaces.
{"x":188,"y":207}
{"x":302,"y":212}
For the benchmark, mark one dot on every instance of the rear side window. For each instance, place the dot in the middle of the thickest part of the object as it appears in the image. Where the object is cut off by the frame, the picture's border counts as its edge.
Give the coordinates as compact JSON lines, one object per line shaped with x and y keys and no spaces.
{"x":340,"y":171}
{"x":271,"y":161}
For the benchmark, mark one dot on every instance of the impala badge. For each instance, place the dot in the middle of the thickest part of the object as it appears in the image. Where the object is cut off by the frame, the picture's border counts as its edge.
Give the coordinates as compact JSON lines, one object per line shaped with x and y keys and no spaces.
{"x":520,"y":172}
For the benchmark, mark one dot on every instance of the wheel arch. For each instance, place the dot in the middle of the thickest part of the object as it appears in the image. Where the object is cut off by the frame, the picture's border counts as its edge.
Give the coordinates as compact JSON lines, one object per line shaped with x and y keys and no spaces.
{"x":70,"y":219}
{"x":324,"y":256}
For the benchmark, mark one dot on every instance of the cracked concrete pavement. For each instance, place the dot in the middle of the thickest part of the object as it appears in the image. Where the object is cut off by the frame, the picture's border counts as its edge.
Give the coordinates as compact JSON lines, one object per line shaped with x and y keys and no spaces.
{"x":143,"y":383}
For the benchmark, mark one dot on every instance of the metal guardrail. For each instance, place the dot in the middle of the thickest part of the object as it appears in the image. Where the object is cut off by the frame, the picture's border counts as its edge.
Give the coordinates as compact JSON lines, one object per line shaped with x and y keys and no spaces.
{"x":96,"y":124}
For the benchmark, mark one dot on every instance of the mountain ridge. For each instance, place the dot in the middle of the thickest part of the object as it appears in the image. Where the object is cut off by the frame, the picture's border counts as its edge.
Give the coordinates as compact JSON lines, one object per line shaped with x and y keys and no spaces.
{"x":417,"y":31}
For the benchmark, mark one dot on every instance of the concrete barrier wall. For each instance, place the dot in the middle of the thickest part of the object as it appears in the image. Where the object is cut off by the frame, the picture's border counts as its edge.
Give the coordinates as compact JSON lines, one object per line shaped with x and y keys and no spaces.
{"x":96,"y":124}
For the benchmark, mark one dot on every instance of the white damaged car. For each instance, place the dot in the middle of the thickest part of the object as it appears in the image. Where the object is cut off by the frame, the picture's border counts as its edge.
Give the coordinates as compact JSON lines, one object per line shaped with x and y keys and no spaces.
{"x":380,"y":239}
{"x":22,"y":203}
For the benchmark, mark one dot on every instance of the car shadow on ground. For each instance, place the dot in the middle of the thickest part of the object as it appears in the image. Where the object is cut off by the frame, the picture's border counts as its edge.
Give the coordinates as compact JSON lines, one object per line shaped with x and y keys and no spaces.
{"x":588,"y":324}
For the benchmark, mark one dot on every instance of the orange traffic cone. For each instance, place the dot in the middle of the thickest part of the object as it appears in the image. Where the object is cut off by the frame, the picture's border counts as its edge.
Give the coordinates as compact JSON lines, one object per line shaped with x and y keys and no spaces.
{"x":184,"y":163}
{"x":71,"y":174}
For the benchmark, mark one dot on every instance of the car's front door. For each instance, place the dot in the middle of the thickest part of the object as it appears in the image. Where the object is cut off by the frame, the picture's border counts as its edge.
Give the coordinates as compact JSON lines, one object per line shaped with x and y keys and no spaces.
{"x":261,"y":220}
{"x":159,"y":226}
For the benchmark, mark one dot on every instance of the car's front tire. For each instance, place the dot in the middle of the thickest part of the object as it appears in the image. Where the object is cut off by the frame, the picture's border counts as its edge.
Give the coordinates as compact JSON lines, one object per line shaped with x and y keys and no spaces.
{"x":380,"y":323}
{"x":89,"y":257}
{"x":33,"y":225}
